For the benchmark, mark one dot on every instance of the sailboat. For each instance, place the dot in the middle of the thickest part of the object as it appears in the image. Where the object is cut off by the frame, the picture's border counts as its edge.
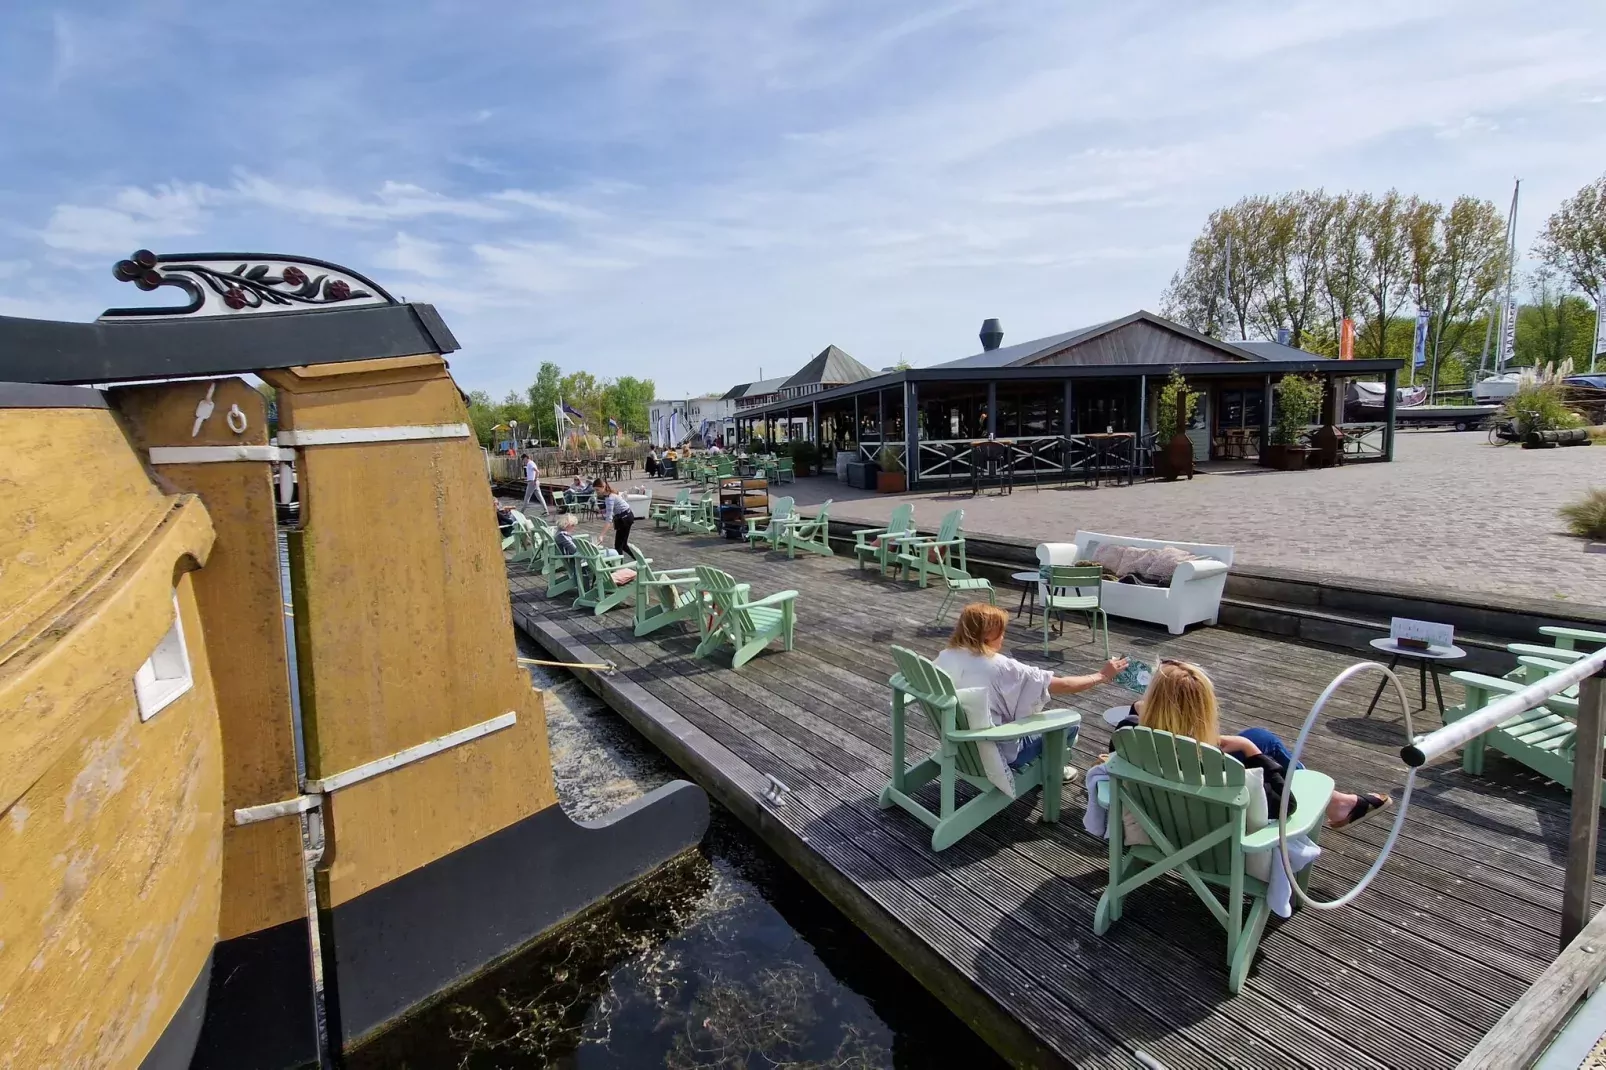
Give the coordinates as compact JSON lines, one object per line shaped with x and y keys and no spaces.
{"x":225,"y":842}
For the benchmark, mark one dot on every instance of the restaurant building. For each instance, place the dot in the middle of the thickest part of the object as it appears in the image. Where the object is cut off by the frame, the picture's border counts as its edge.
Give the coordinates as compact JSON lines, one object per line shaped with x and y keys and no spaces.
{"x":1051,"y":399}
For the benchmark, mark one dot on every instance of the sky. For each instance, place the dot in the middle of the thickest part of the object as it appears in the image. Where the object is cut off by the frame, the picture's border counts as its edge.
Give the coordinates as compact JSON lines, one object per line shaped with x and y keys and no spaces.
{"x":709,"y":192}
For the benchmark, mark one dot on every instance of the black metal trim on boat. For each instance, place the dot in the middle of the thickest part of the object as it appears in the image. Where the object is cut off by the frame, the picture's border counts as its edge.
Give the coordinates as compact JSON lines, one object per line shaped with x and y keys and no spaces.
{"x":49,"y":396}
{"x":174,"y":1048}
{"x":107,"y":351}
{"x":259,"y":1006}
{"x":403,"y":942}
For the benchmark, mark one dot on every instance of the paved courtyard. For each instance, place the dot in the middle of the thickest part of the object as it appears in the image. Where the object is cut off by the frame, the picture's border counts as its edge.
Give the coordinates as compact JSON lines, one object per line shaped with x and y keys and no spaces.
{"x":1451,"y":511}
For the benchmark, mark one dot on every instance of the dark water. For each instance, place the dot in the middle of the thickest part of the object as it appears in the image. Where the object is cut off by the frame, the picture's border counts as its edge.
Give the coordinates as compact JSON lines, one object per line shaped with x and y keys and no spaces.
{"x":726,"y":959}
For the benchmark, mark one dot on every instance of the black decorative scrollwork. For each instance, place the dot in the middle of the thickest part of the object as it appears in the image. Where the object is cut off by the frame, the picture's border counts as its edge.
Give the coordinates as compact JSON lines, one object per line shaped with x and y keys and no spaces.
{"x":247,"y":286}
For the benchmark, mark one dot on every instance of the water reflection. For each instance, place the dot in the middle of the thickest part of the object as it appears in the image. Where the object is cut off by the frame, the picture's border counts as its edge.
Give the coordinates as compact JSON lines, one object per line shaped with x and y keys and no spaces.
{"x":725,"y":959}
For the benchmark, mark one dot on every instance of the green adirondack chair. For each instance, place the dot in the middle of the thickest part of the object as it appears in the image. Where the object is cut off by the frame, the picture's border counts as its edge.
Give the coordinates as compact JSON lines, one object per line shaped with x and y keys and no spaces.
{"x":663,"y":597}
{"x":663,"y":513}
{"x":1545,"y":738}
{"x":879,"y":544}
{"x":1068,"y":588}
{"x":702,"y":518}
{"x":808,"y":533}
{"x":783,"y":470}
{"x":1570,"y":638}
{"x":559,"y":570}
{"x":957,"y":757}
{"x":734,"y":618}
{"x":1193,"y":803}
{"x":964,"y":582}
{"x":916,"y":552}
{"x":598,"y":592}
{"x":768,"y":529}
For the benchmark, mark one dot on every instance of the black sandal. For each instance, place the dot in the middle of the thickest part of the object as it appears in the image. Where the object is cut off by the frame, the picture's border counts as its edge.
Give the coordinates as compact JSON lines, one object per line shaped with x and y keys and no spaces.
{"x":1364,"y":805}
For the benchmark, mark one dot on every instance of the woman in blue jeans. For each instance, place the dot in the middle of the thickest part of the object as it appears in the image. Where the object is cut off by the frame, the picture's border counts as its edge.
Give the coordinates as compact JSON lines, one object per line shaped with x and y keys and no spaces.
{"x":1182,"y":700}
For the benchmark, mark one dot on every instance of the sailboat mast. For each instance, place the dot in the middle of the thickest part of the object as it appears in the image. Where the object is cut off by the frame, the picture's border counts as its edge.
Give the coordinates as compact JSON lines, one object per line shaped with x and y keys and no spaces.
{"x":1508,"y":331}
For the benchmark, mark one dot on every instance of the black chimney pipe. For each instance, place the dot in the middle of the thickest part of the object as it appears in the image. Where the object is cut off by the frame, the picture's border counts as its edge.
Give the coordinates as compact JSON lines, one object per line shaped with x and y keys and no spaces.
{"x":992,"y":335}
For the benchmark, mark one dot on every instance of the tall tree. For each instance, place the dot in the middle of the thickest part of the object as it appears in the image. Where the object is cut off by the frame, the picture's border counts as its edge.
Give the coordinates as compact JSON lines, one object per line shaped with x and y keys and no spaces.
{"x":482,"y":417}
{"x":1573,"y":243}
{"x":543,"y":394}
{"x":628,"y":400}
{"x":1344,"y":266}
{"x":582,"y":392}
{"x":1553,"y":326}
{"x":1297,"y":232}
{"x":1194,"y":296}
{"x":1385,"y":269}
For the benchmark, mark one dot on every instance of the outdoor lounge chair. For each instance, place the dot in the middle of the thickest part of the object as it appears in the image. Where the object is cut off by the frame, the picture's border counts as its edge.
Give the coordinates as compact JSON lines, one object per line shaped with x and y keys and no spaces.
{"x":598,"y":592}
{"x":879,"y":544}
{"x":958,"y":757}
{"x":958,"y":581}
{"x":1075,"y":589}
{"x":663,"y":513}
{"x":732,"y":617}
{"x":1193,"y":802}
{"x":768,"y":529}
{"x":808,"y":533}
{"x":560,"y":570}
{"x":663,"y":597}
{"x":934,"y":553}
{"x":1545,"y":738}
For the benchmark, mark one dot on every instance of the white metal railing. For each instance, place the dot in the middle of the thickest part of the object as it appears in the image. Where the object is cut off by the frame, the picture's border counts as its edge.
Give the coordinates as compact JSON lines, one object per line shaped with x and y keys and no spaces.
{"x":950,"y":458}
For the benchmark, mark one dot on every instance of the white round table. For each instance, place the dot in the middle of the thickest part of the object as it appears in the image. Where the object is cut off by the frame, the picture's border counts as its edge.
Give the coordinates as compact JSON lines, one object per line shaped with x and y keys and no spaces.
{"x":1427,"y":664}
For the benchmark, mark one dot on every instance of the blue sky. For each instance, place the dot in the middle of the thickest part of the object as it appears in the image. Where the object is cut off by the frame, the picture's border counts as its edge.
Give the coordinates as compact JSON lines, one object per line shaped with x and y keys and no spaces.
{"x":696,"y":191}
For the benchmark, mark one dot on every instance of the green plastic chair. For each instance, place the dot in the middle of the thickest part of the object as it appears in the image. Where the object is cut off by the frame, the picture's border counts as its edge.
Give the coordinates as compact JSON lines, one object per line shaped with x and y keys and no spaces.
{"x":598,"y":592}
{"x":1192,"y":801}
{"x":1545,"y":738}
{"x":700,"y":518}
{"x":769,"y":529}
{"x":957,"y":757}
{"x":733,"y":618}
{"x":1065,"y":585}
{"x":915,"y":552}
{"x":964,"y":582}
{"x":879,"y":544}
{"x":783,"y":470}
{"x":663,"y":513}
{"x":559,"y":570}
{"x":663,"y":597}
{"x":808,"y":533}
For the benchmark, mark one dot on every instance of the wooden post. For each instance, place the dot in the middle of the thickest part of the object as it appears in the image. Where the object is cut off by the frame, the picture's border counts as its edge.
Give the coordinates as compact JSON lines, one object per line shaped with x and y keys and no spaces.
{"x":1265,"y":417}
{"x":992,"y":408}
{"x":1068,"y":425}
{"x":911,"y":433}
{"x":1389,"y":400}
{"x":1578,"y":888}
{"x":814,"y":422}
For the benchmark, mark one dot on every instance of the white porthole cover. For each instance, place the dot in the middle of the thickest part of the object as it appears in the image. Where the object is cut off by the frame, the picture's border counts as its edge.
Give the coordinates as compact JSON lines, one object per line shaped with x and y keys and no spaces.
{"x":166,"y":673}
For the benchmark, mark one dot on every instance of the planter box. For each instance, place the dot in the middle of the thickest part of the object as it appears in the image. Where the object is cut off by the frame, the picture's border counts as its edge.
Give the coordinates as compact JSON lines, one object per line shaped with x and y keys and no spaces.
{"x":1287,"y":458}
{"x":1175,"y":460}
{"x":891,"y":482}
{"x":862,"y":474}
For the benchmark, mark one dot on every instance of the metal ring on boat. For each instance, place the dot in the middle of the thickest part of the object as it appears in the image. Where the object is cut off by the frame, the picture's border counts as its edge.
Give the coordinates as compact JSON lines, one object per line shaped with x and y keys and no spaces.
{"x":1293,"y":763}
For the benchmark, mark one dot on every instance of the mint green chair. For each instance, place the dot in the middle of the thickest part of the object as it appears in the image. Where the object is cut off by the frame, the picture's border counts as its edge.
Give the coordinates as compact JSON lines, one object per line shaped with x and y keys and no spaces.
{"x":933,"y":554}
{"x":769,"y":529}
{"x":1192,"y":801}
{"x":733,"y":617}
{"x":808,"y":533}
{"x":958,"y":757}
{"x":879,"y":544}
{"x":1067,"y":589}
{"x":560,"y":570}
{"x":964,"y":582}
{"x":1545,"y":738}
{"x":663,"y":596}
{"x":597,"y":590}
{"x":663,"y":513}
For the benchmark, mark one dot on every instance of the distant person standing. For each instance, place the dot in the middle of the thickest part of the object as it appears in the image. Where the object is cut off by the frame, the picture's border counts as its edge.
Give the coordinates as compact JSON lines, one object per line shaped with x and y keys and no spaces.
{"x":532,"y":484}
{"x":652,"y":462}
{"x":615,"y":511}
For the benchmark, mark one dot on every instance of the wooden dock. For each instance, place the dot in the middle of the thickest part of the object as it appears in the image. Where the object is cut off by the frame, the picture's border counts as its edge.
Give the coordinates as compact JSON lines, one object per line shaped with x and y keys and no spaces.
{"x":1459,"y":923}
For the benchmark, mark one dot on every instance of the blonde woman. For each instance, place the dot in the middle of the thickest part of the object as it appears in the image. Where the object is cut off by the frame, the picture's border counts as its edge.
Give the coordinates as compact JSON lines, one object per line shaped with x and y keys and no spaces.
{"x":1181,"y":700}
{"x":975,"y":658}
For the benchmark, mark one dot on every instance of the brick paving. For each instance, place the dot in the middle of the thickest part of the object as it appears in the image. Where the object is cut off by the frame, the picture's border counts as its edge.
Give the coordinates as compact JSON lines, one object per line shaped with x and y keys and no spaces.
{"x":1451,"y":511}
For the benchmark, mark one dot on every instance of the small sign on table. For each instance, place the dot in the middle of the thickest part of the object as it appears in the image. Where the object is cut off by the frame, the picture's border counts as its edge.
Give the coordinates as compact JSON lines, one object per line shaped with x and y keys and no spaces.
{"x":1420,"y":634}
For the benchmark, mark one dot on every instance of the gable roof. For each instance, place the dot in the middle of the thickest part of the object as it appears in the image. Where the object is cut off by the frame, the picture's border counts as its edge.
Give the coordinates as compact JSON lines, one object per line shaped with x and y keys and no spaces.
{"x":735,"y":392}
{"x":830,"y":365}
{"x":1025,"y":353}
{"x":762,"y":387}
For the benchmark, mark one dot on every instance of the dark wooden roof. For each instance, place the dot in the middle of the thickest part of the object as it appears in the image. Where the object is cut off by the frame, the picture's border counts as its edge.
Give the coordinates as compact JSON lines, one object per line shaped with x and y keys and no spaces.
{"x":830,"y":366}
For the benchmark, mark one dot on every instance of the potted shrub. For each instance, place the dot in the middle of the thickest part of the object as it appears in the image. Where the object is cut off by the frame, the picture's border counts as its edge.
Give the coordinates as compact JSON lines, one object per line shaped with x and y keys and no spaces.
{"x":1299,"y":399}
{"x":805,"y":457}
{"x":890,"y":477}
{"x":846,"y":454}
{"x":1172,"y":411}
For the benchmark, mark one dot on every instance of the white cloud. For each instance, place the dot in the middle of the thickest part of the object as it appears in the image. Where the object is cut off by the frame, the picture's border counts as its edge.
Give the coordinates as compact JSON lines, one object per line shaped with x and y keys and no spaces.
{"x":392,"y":201}
{"x":132,"y":218}
{"x":415,"y":256}
{"x":542,"y":202}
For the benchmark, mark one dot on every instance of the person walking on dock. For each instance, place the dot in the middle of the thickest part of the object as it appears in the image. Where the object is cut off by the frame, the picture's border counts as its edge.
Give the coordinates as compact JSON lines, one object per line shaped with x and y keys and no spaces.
{"x":615,"y":511}
{"x":532,"y":484}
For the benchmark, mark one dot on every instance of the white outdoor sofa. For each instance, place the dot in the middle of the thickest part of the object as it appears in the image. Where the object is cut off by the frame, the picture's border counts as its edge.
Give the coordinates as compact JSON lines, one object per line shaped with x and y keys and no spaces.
{"x":1194,"y":595}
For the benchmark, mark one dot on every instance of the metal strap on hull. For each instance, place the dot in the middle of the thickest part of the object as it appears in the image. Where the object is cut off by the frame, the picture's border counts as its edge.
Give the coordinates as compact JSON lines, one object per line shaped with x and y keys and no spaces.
{"x":315,"y":789}
{"x":218,"y":454}
{"x":345,"y":436}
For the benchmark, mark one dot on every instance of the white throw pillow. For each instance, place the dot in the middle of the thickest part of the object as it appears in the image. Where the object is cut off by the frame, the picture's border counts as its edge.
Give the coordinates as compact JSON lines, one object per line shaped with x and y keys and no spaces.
{"x":973,"y":701}
{"x":1258,"y":865}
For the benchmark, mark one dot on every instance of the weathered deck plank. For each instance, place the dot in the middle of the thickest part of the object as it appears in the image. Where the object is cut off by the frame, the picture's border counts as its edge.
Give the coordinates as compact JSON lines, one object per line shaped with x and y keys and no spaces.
{"x":1463,"y":918}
